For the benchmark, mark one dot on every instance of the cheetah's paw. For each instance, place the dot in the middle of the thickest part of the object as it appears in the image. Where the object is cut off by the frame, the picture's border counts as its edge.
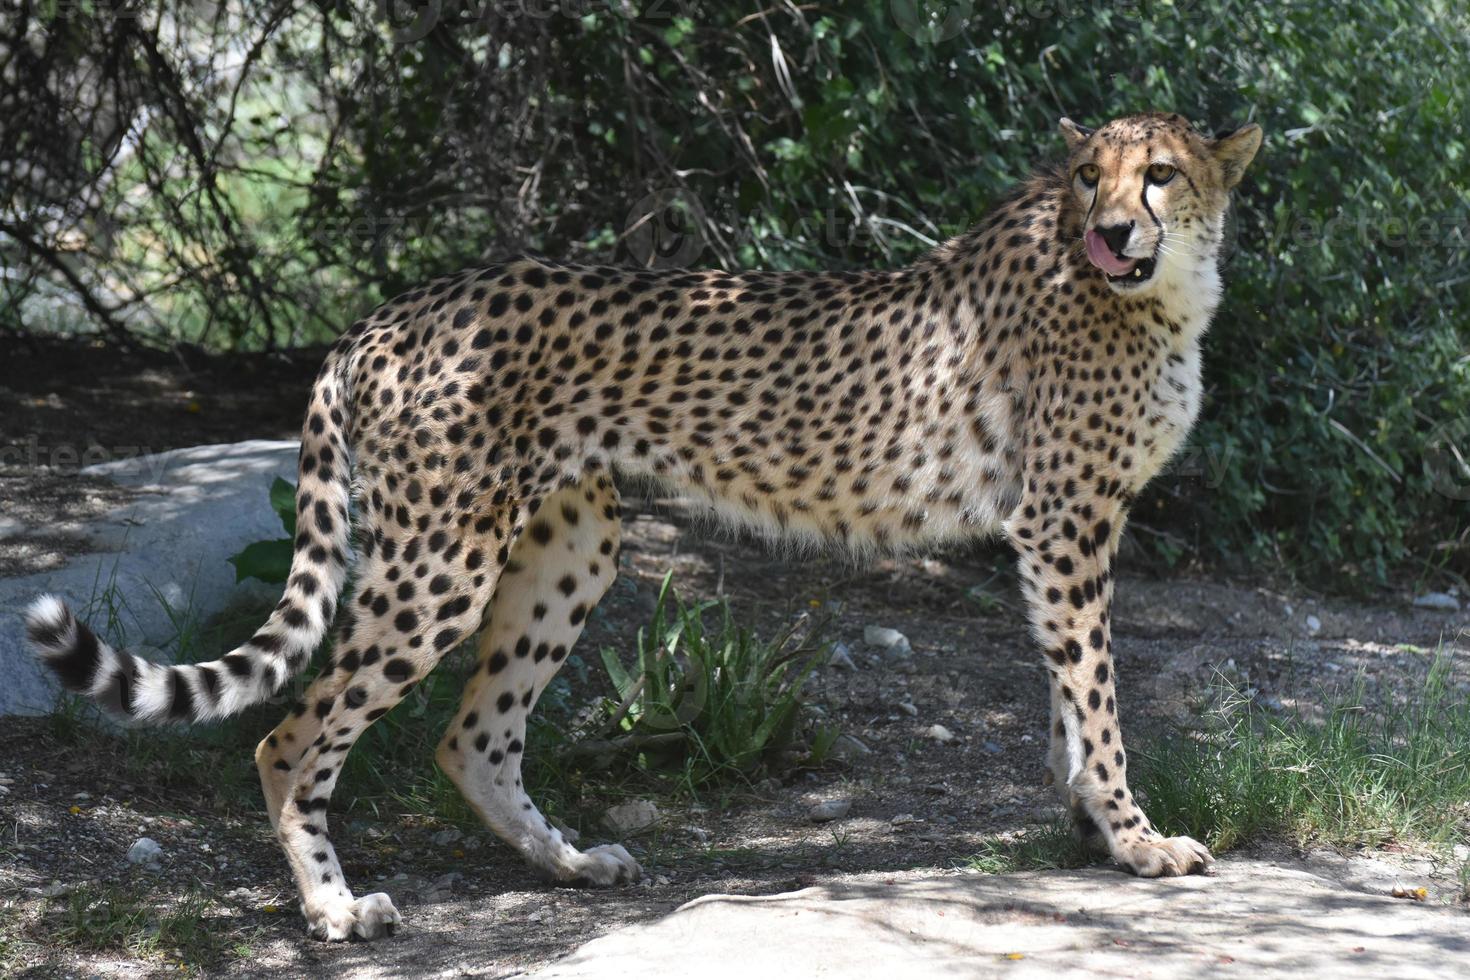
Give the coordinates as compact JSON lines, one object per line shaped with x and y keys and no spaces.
{"x":601,"y":867}
{"x":366,"y":918}
{"x":1164,"y":857}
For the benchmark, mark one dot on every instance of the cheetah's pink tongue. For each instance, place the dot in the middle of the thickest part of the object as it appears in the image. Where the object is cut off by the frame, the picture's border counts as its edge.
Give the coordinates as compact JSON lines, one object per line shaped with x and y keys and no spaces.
{"x":1100,"y":255}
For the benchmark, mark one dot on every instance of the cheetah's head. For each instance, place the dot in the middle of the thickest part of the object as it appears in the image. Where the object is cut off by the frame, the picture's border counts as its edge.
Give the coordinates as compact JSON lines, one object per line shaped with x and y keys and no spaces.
{"x":1152,"y":192}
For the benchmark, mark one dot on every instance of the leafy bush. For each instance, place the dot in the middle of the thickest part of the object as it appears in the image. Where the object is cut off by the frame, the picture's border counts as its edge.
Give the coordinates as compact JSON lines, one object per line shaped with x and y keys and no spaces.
{"x":703,"y":702}
{"x":351,"y":157}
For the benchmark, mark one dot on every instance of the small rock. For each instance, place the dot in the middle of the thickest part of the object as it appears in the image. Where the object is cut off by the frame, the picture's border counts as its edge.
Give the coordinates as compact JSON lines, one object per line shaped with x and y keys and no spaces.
{"x":848,"y":748}
{"x":626,"y":818}
{"x":939,"y":733}
{"x":698,"y":833}
{"x":994,"y":748}
{"x":889,"y":640}
{"x":446,"y":837}
{"x":769,"y":786}
{"x":145,"y":850}
{"x":829,"y":810}
{"x":1438,"y":601}
{"x":841,"y":658}
{"x":442,"y":887}
{"x":903,"y":819}
{"x":1314,"y":625}
{"x":908,"y":709}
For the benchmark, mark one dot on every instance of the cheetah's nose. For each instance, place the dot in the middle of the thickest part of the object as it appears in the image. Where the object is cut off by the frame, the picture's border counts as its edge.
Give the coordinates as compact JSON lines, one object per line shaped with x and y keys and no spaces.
{"x":1116,"y":236}
{"x":1104,"y":256}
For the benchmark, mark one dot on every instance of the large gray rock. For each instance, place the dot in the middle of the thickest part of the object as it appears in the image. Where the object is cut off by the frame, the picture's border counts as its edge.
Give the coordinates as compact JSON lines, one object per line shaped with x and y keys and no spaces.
{"x":164,"y":549}
{"x":1254,"y":919}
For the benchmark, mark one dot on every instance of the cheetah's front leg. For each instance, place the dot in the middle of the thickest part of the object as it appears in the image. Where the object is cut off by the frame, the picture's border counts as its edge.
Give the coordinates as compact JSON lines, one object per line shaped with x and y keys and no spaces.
{"x":1066,"y":550}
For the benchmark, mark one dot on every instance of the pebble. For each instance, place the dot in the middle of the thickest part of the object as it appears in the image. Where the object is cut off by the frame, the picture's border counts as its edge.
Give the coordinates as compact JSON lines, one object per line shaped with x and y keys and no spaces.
{"x":625,"y":818}
{"x":889,"y":640}
{"x":903,"y":819}
{"x":1438,"y":601}
{"x":446,"y":837}
{"x":698,"y":833}
{"x":939,"y":733}
{"x":829,"y":810}
{"x":841,"y":658}
{"x":54,"y":890}
{"x":442,"y":887}
{"x":848,"y":748}
{"x":1314,"y":625}
{"x":145,"y":850}
{"x":908,"y":709}
{"x":994,"y":748}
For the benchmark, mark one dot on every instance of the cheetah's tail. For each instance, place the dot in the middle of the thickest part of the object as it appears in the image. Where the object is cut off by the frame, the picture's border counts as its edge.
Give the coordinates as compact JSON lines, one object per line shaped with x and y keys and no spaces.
{"x":139,"y":690}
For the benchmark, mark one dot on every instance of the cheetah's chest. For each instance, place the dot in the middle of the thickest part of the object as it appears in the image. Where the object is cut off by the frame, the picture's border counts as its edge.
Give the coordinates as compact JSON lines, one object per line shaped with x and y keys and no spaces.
{"x":1172,"y":403}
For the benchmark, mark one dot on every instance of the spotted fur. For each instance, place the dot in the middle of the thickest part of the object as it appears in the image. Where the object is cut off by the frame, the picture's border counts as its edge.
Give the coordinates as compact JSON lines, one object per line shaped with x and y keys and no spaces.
{"x":1002,"y":384}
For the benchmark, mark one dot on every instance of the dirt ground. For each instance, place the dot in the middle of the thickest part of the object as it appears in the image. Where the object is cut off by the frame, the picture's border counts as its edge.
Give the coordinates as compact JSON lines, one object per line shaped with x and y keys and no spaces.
{"x":67,"y":818}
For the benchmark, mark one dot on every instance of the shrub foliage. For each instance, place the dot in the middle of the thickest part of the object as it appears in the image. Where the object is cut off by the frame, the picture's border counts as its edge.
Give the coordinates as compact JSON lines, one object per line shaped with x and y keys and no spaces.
{"x":255,"y":175}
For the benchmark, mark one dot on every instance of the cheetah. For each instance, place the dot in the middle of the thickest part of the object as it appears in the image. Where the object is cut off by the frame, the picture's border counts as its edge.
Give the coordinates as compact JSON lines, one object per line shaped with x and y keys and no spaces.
{"x":1026,"y":379}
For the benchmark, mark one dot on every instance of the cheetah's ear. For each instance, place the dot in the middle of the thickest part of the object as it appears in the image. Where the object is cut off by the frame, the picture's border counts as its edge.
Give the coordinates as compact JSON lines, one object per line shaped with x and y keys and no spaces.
{"x":1235,"y":150}
{"x":1074,"y":134}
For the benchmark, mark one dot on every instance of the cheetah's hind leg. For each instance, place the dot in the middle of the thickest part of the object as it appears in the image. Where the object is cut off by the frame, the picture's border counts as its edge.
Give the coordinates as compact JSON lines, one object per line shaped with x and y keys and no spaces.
{"x":558,"y":570}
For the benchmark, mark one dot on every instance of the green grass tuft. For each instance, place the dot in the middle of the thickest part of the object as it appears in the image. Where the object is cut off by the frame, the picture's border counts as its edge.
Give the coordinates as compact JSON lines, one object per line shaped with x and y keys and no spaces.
{"x":1044,"y":848}
{"x":112,"y":917}
{"x":1363,"y":776}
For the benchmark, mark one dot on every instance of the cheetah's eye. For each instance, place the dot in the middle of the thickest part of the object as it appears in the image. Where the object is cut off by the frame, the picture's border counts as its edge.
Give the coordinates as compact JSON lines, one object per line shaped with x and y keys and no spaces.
{"x":1089,"y":174}
{"x":1160,"y":173}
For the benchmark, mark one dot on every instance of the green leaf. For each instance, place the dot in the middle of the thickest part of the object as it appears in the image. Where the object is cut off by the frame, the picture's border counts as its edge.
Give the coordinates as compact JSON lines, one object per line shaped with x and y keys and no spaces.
{"x":268,"y":561}
{"x":283,"y":502}
{"x":622,"y":682}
